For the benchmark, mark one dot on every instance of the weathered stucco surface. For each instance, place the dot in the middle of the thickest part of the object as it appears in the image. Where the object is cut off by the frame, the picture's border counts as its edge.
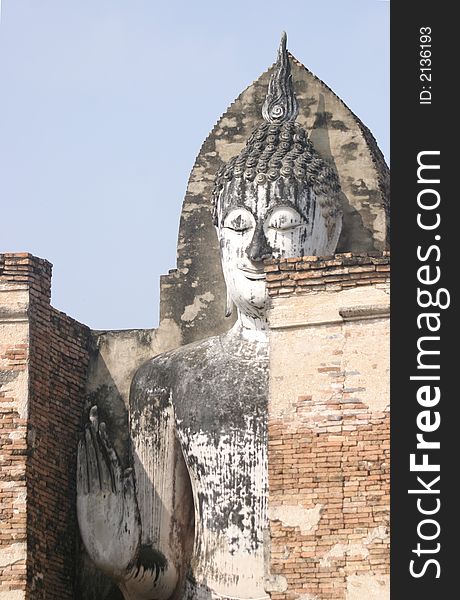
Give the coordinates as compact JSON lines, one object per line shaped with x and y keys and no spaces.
{"x":211,"y":397}
{"x":306,"y":519}
{"x":368,"y":586}
{"x":12,"y":595}
{"x":14,"y":331}
{"x":311,"y":328}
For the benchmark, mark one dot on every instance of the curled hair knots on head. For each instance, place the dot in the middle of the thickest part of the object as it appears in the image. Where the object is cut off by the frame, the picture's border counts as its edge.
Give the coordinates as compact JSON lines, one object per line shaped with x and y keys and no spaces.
{"x":277,"y":150}
{"x":279,"y":147}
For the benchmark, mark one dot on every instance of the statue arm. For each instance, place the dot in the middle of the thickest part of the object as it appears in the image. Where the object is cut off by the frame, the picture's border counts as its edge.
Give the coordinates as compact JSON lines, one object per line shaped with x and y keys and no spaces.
{"x":107,"y":512}
{"x":137,"y":527}
{"x":162,"y":486}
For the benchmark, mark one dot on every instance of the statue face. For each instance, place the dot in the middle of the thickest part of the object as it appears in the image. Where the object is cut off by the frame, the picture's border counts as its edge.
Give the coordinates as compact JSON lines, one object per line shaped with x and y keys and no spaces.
{"x":256,"y":222}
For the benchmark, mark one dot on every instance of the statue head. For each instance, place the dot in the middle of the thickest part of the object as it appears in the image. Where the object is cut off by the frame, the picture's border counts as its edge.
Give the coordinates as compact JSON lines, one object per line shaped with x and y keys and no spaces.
{"x":277,"y":198}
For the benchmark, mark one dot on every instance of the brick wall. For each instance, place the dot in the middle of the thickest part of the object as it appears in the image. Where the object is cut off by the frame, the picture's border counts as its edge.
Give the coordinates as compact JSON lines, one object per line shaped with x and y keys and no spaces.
{"x":315,"y":274}
{"x":40,"y":424}
{"x":14,"y":352}
{"x":329,"y":428}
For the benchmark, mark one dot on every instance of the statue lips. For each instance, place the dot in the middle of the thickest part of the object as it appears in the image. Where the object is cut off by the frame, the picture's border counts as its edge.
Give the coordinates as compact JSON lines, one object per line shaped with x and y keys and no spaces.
{"x":253,"y":274}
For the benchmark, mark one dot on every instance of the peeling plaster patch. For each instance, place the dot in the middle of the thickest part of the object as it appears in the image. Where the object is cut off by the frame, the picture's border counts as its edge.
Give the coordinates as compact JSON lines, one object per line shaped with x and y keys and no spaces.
{"x":194,"y":188}
{"x":6,"y":376}
{"x":13,"y":333}
{"x":13,"y":595}
{"x":276,"y":583}
{"x":31,"y":437}
{"x":14,"y":305}
{"x":8,"y":485}
{"x":200,"y":302}
{"x":227,"y":150}
{"x":199,"y":179}
{"x":362,"y":587}
{"x":356,"y":549}
{"x":227,"y":121}
{"x":17,"y":389}
{"x":340,"y":125}
{"x":360,"y":188}
{"x":286,"y":553}
{"x":359,"y":361}
{"x":168,"y":335}
{"x":379,"y":533}
{"x":10,"y":555}
{"x":341,"y":550}
{"x":20,"y":500}
{"x":349,"y":151}
{"x":380,"y":226}
{"x":297,"y":516}
{"x":307,"y":597}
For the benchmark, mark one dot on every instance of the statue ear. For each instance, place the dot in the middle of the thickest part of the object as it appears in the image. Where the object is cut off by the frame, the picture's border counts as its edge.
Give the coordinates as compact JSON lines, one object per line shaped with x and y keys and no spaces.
{"x":228,"y":304}
{"x":228,"y":299}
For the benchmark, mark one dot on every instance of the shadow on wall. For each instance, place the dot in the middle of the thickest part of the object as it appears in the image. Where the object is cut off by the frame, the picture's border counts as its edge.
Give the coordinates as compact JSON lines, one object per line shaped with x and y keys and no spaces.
{"x":354,"y":236}
{"x":91,"y":584}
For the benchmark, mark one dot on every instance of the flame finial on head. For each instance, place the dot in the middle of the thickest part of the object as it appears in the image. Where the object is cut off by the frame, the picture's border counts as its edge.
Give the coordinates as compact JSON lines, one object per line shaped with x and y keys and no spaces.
{"x":280,"y":104}
{"x":279,"y":149}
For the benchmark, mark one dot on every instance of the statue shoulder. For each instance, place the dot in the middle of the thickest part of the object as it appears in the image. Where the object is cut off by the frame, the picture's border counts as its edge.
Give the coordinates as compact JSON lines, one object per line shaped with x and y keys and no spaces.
{"x":158,"y":373}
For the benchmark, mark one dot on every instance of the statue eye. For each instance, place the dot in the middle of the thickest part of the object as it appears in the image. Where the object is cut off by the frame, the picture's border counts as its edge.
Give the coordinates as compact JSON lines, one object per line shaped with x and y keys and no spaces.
{"x":239,"y":220}
{"x":285,"y":218}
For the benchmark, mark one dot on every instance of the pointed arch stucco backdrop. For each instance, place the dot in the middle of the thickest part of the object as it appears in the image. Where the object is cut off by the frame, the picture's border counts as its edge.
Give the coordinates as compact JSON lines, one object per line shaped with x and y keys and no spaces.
{"x":193,"y":296}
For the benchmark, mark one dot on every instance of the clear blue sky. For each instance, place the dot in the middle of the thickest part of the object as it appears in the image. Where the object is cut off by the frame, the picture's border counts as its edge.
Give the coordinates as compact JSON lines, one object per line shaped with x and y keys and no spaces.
{"x":104,"y":105}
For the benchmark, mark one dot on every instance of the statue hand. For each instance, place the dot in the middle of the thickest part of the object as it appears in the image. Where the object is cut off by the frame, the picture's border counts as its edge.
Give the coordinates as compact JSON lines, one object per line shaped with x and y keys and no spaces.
{"x":107,"y":510}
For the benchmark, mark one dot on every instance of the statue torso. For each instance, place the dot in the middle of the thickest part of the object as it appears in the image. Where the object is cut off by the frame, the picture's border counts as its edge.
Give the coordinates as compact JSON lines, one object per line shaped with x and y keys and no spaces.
{"x":218,"y":399}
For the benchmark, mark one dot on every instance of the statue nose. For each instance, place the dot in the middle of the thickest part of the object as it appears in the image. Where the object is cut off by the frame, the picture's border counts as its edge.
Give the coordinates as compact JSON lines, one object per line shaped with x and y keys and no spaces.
{"x":259,"y":249}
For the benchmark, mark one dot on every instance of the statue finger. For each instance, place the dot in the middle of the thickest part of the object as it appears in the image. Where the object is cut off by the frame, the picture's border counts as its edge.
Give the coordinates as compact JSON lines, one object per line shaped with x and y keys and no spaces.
{"x":93,"y":467}
{"x":105,"y":472}
{"x":94,"y":418}
{"x":103,"y":462}
{"x":129,"y":494}
{"x":82,"y":469}
{"x":114,"y":463}
{"x":128,"y":483}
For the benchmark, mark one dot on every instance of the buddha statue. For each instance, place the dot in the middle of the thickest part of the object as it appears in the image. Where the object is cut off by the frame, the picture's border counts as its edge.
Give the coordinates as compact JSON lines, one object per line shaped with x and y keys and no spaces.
{"x":187,"y":520}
